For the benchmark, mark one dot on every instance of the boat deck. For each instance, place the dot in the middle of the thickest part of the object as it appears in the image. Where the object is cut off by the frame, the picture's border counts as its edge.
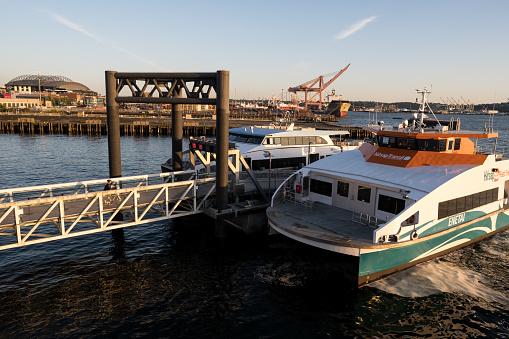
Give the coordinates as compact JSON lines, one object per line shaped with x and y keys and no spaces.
{"x":323,"y":223}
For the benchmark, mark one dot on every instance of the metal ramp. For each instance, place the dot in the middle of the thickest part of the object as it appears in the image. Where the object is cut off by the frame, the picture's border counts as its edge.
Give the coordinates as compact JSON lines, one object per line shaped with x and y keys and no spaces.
{"x":31,"y":215}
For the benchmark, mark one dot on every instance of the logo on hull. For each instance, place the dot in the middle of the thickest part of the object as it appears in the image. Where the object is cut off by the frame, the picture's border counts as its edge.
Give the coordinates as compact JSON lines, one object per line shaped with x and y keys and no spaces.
{"x":456,"y":219}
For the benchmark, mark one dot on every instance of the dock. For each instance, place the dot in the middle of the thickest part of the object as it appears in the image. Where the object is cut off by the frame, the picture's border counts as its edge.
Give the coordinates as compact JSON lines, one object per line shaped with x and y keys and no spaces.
{"x":233,"y":195}
{"x":139,"y":124}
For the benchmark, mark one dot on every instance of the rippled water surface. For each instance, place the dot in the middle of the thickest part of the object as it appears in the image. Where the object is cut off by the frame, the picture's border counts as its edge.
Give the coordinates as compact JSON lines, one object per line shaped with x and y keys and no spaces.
{"x":173,"y":279}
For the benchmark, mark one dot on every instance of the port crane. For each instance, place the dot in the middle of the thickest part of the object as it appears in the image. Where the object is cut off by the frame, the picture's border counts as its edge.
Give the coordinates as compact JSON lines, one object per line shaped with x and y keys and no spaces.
{"x":308,"y":87}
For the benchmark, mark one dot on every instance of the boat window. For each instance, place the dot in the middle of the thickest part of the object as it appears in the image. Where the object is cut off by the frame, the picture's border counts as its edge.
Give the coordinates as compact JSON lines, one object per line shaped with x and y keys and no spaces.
{"x":305,"y":184}
{"x":343,"y":188}
{"x":285,"y":141}
{"x":457,"y":143}
{"x":277,"y":141}
{"x":388,"y":141}
{"x":390,"y":204}
{"x":383,"y":141}
{"x":466,"y":203}
{"x":451,"y":143}
{"x":321,"y":187}
{"x":299,"y":141}
{"x":269,"y":141}
{"x":451,"y":209}
{"x":476,"y":200}
{"x":442,"y":209}
{"x":245,"y":138}
{"x":364,"y":194}
{"x":469,"y":200}
{"x":427,"y":145}
{"x":402,"y":143}
{"x":442,"y":145}
{"x":482,"y":198}
{"x":320,"y":140}
{"x":460,"y":204}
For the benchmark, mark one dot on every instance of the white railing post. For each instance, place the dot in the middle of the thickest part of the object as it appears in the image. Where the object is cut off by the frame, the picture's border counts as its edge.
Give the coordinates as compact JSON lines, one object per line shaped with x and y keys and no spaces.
{"x":18,"y":211}
{"x":62,"y":217}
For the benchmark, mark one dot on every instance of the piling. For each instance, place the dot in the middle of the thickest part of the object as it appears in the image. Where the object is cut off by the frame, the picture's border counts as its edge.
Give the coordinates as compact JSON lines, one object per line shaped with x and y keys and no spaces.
{"x":114,"y":156}
{"x":176,"y":132}
{"x":222,"y":126}
{"x":113,"y":119}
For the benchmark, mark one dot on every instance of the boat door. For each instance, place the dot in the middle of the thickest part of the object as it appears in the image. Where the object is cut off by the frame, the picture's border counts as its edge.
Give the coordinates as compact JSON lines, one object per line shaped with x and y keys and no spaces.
{"x":341,"y":194}
{"x":506,"y":191}
{"x":362,"y":198}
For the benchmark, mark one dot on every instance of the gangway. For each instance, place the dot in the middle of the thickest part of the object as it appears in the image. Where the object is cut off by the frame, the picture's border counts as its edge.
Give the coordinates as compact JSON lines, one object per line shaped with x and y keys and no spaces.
{"x":37,"y":214}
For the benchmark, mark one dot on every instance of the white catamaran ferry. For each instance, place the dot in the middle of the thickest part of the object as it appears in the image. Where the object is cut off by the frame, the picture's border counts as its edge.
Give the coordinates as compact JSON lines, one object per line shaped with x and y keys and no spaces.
{"x":281,"y":146}
{"x":413,"y":194}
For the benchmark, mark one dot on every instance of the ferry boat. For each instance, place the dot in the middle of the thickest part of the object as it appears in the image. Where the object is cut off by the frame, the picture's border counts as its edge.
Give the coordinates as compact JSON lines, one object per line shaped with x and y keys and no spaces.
{"x":281,"y":146}
{"x":414,"y":193}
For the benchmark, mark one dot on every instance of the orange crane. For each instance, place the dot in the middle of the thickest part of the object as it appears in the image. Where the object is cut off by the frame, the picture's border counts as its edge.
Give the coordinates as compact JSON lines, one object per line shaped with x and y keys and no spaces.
{"x":308,"y":87}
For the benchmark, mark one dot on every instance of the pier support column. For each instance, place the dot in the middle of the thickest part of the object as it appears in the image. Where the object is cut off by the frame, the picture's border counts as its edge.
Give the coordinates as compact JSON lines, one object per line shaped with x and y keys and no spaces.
{"x":176,"y":132}
{"x":222,"y":126}
{"x":112,"y":108}
{"x":115,"y":159}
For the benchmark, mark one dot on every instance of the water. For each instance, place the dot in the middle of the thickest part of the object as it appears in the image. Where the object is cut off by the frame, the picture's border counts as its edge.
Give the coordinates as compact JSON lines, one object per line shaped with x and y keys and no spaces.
{"x":172,"y":279}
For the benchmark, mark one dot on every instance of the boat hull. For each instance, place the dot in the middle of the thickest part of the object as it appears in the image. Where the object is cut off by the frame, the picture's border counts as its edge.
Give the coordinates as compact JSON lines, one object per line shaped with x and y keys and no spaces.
{"x":338,"y":108}
{"x":379,"y":260}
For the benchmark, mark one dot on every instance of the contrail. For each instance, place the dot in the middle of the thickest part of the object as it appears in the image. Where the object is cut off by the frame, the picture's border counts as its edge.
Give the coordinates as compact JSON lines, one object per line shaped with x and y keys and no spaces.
{"x":72,"y":25}
{"x":80,"y":29}
{"x":354,"y":28}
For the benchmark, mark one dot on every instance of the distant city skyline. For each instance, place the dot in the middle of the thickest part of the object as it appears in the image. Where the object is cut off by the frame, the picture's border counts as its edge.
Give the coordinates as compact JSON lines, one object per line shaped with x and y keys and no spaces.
{"x":456,"y":49}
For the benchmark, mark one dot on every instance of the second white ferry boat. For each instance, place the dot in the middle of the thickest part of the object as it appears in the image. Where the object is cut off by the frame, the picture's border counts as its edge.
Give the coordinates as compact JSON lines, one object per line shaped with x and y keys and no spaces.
{"x":280,"y":146}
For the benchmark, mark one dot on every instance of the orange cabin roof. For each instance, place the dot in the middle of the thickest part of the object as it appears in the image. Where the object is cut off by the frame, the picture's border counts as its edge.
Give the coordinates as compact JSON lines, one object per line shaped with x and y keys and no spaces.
{"x":413,"y":158}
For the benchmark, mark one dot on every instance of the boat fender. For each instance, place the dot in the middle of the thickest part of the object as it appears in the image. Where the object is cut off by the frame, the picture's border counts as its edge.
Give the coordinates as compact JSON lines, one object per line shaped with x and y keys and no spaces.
{"x":414,"y":235}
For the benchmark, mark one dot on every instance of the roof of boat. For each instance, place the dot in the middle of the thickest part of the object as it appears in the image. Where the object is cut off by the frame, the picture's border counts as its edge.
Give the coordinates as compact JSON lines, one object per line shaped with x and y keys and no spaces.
{"x":262,"y":131}
{"x":426,"y":134}
{"x":351,"y":165}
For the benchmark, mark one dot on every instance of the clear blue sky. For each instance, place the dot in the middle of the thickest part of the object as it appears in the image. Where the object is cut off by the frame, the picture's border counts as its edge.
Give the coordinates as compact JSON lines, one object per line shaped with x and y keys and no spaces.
{"x":460,"y":48}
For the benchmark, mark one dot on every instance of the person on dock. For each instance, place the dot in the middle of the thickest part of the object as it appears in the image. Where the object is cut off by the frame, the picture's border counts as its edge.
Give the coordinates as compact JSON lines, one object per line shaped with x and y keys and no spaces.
{"x":110,"y":186}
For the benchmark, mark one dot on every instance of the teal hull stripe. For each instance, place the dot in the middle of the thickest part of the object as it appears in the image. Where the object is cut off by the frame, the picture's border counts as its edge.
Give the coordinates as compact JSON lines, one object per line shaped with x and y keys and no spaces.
{"x":385,"y":259}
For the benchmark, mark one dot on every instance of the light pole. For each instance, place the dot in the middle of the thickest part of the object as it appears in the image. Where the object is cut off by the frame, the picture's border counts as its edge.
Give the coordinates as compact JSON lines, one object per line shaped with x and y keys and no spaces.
{"x":39,"y":78}
{"x":270,"y":167}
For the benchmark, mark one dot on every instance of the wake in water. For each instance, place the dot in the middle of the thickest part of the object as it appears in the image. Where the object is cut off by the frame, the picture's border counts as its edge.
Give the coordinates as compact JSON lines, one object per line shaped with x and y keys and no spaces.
{"x":436,"y":277}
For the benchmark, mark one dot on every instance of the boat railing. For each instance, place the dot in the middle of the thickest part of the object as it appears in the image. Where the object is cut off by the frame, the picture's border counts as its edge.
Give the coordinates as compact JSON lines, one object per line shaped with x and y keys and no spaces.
{"x":343,"y":142}
{"x":366,"y":219}
{"x":286,"y":193}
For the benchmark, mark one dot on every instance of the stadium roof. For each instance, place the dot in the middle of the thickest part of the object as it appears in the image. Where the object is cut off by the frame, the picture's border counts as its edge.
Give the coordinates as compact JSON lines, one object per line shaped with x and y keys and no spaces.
{"x":48,"y":83}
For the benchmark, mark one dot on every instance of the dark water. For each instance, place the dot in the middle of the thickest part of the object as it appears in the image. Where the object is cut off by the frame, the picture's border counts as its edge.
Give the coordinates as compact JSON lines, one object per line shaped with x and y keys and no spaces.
{"x":173,"y":280}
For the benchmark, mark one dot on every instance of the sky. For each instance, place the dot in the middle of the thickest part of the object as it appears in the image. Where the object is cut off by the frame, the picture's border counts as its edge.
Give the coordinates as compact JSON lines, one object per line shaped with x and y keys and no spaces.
{"x":456,"y":49}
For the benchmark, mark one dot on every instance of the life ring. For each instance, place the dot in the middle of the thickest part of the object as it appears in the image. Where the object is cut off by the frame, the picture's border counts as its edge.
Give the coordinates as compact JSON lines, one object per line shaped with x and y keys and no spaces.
{"x":414,"y":235}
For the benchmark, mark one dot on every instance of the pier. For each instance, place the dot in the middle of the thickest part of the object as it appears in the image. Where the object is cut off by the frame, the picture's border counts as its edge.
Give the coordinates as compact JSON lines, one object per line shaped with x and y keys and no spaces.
{"x":233,"y":195}
{"x":31,"y":215}
{"x":194,"y":124}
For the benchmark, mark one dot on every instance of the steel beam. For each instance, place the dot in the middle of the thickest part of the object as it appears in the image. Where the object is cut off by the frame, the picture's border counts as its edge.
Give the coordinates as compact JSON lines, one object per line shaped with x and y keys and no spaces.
{"x":113,"y":119}
{"x":222,"y":126}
